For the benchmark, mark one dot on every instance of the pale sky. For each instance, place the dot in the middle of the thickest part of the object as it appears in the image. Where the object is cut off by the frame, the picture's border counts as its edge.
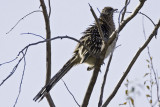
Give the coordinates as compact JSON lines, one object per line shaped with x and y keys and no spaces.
{"x":72,"y":17}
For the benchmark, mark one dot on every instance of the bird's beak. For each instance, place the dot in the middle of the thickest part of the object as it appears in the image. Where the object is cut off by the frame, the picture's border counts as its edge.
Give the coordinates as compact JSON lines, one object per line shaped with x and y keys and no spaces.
{"x":114,"y":10}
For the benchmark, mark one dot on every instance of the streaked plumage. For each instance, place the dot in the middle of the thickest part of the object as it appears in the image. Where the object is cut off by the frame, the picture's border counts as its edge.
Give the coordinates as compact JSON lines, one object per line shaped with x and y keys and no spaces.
{"x":90,"y":39}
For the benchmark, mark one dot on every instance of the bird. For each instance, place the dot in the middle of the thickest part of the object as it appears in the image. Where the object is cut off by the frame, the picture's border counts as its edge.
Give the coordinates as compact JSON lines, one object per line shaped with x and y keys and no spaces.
{"x":92,"y":40}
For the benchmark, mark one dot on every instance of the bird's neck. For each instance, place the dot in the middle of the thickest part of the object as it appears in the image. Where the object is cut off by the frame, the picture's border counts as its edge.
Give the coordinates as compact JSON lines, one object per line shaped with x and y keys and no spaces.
{"x":108,"y":20}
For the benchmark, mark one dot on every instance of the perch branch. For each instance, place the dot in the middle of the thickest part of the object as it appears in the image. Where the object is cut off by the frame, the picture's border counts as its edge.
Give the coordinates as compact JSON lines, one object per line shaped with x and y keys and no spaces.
{"x":131,"y":64}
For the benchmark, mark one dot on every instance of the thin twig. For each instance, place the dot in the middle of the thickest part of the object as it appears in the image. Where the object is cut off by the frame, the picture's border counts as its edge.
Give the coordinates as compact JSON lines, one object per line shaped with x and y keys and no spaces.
{"x":104,"y":81}
{"x":124,"y":11}
{"x":13,"y":70}
{"x":8,"y":61}
{"x":20,"y":86}
{"x":70,"y":93}
{"x":146,"y":17}
{"x":152,"y":67}
{"x":149,"y":19}
{"x":120,"y":13}
{"x":22,"y":19}
{"x":154,"y":73}
{"x":33,"y":34}
{"x":151,"y":85}
{"x":131,"y":64}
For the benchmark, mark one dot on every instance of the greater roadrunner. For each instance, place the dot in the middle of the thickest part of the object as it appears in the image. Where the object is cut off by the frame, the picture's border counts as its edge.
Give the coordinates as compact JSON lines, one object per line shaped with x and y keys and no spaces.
{"x":93,"y":41}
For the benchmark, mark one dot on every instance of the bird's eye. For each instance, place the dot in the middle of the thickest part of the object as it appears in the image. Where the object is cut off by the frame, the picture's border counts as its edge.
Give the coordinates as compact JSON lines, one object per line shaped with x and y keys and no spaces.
{"x":110,"y":10}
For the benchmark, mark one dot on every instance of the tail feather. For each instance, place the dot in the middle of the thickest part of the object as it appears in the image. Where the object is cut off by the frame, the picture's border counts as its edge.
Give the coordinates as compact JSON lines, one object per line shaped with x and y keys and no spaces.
{"x":43,"y":92}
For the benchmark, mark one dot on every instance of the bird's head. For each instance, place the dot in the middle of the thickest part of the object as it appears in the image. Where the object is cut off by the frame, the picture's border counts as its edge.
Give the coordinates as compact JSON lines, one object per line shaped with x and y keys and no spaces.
{"x":108,"y":11}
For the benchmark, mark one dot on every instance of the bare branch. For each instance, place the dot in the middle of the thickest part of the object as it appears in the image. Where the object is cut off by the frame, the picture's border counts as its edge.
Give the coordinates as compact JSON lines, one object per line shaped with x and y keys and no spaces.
{"x":13,"y":70}
{"x":8,"y":61}
{"x":92,"y":82}
{"x":48,"y":50}
{"x":125,"y":8}
{"x":131,"y":64}
{"x":154,"y":73}
{"x":97,"y":22}
{"x":70,"y":93}
{"x":104,"y":81}
{"x":146,"y":17}
{"x":152,"y":70}
{"x":49,"y":4}
{"x":150,"y":74}
{"x":20,"y":86}
{"x":149,"y":19}
{"x":22,"y":19}
{"x":32,"y":34}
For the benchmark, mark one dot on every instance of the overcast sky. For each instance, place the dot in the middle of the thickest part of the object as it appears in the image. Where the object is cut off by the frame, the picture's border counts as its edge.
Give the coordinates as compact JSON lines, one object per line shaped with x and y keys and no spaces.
{"x":72,"y":17}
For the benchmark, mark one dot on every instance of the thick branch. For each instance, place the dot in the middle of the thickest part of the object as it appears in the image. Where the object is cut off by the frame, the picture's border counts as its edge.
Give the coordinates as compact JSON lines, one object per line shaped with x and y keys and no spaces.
{"x":97,"y":22}
{"x":99,"y":61}
{"x":48,"y":49}
{"x":92,"y":83}
{"x":131,"y":64}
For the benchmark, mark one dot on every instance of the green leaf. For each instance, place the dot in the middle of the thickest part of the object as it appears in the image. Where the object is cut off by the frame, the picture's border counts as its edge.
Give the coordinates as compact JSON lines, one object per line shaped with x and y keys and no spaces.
{"x":123,"y":103}
{"x":148,"y":95}
{"x":150,"y":101}
{"x":132,"y":101}
{"x":126,"y":92}
{"x":147,"y":60}
{"x":127,"y":81}
{"x":148,"y":87}
{"x":146,"y":74}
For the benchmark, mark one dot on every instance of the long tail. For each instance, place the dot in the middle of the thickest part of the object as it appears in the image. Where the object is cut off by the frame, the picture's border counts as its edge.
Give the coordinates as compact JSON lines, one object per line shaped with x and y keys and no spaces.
{"x":42,"y":93}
